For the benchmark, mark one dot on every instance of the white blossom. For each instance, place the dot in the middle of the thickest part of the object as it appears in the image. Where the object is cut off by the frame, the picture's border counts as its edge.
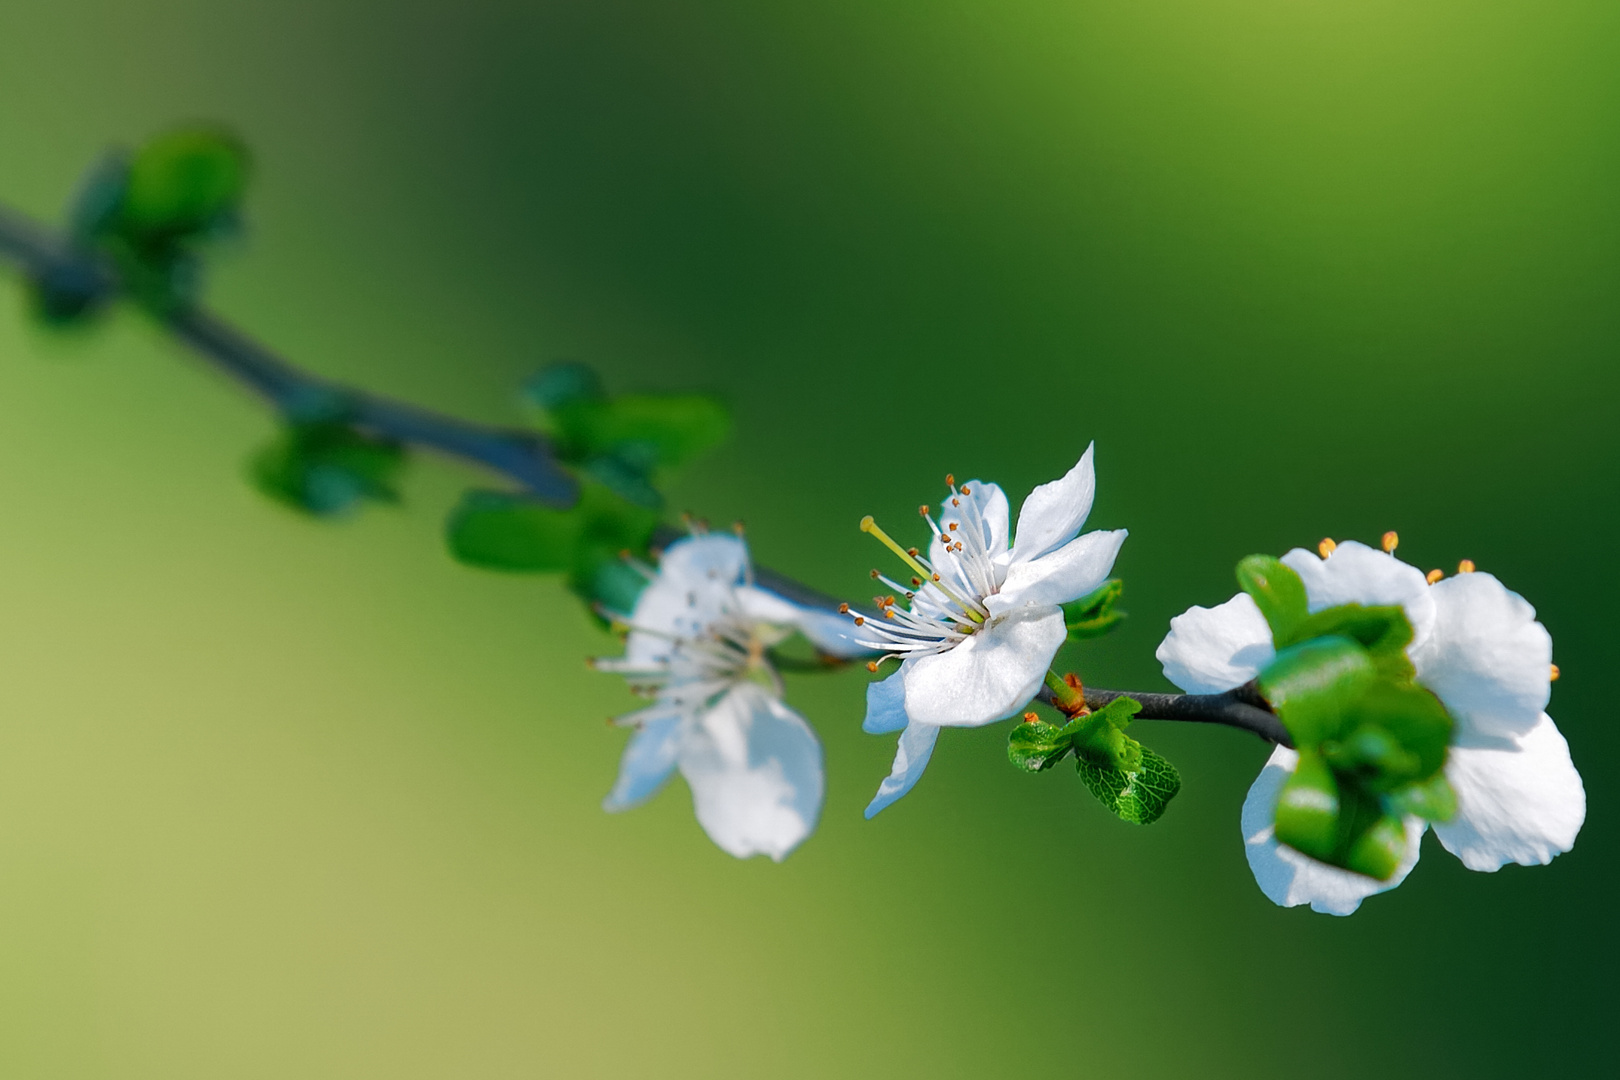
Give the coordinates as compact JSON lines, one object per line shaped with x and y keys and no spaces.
{"x":1478,"y":647}
{"x":983,"y":617}
{"x":698,"y":646}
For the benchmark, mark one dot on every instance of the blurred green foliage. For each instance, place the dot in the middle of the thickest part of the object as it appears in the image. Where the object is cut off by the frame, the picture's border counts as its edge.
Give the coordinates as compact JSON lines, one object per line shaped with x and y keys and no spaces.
{"x":1371,"y":743}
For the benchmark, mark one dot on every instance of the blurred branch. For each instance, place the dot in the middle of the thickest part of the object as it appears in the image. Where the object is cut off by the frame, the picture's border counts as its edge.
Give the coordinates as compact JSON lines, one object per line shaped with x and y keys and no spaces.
{"x":524,"y":457}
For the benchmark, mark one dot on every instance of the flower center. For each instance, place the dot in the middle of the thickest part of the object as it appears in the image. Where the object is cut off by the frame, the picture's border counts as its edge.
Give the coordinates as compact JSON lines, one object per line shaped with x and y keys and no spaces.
{"x":947,"y":593}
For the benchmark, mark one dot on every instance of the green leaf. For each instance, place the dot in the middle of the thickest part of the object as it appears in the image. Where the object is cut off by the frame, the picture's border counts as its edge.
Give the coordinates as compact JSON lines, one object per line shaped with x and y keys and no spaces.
{"x":1099,"y":739}
{"x":1332,"y":818}
{"x":500,"y":530}
{"x":1033,"y":745}
{"x":1277,"y":591}
{"x":1139,"y":796}
{"x":1378,"y":848}
{"x":509,"y":531}
{"x":1094,"y":614}
{"x":1307,"y":815}
{"x":1414,"y":720}
{"x":626,"y":474}
{"x":665,"y":431}
{"x":183,"y":183}
{"x":1432,"y":799}
{"x":1373,"y":754}
{"x":1384,"y":631}
{"x":326,"y":468}
{"x":1312,"y":686}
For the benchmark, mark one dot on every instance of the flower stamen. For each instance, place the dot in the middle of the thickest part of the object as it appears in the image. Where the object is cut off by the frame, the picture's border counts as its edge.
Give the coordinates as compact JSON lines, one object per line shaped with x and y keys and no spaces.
{"x":868,"y":525}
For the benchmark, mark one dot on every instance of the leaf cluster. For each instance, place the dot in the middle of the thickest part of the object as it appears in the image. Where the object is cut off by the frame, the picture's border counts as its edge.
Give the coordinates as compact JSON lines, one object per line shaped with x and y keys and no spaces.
{"x":623,"y":448}
{"x":323,"y":465}
{"x":500,"y":530}
{"x":151,"y":211}
{"x":1132,"y":781}
{"x":627,"y":443}
{"x":1371,"y":742}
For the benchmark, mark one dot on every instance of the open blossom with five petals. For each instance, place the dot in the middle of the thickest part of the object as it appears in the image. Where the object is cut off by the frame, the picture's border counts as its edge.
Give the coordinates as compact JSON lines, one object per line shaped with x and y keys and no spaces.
{"x":1478,"y":647}
{"x":984,"y":617}
{"x":698,"y":642}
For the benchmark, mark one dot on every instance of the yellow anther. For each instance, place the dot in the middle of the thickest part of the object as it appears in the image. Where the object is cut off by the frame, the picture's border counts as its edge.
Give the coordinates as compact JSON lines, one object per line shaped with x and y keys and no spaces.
{"x":860,"y":621}
{"x":737,"y":527}
{"x":922,"y":511}
{"x":950,"y":479}
{"x":1326,"y":547}
{"x":1553,"y":675}
{"x":1434,"y":575}
{"x":952,"y":526}
{"x":956,"y":502}
{"x":1391,"y":541}
{"x":843,"y":609}
{"x":1466,"y":566}
{"x":868,"y":525}
{"x":871,"y":665}
{"x":1030,"y":718}
{"x":966,"y":490}
{"x":876,"y":575}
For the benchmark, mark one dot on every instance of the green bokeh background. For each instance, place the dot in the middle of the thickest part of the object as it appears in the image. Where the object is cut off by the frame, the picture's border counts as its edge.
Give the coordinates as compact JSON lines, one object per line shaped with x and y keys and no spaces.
{"x":280,"y":798}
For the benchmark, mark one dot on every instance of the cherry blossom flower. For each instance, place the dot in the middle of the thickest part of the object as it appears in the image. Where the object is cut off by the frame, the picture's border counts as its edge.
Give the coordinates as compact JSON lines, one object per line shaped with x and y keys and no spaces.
{"x":698,"y":645}
{"x":1478,"y":647}
{"x":983,"y":617}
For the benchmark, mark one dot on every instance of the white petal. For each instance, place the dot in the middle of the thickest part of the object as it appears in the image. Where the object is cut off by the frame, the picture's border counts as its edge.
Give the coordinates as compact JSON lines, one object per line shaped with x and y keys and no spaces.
{"x":1053,"y":513}
{"x":693,"y":586}
{"x":828,"y":631}
{"x":991,"y":503}
{"x":886,"y":703}
{"x":1358,"y":574}
{"x":1209,"y":650}
{"x":1488,"y":659}
{"x":952,"y":576}
{"x":648,"y":760}
{"x":1521,"y":802}
{"x":754,"y":767}
{"x":991,"y":675}
{"x":1288,"y":878}
{"x":1066,"y":574}
{"x":910,"y":759}
{"x":710,"y":557}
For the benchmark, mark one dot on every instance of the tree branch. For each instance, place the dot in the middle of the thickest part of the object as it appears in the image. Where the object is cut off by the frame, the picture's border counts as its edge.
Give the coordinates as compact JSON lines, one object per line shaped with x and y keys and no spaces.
{"x":524,"y":457}
{"x":1242,"y":708}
